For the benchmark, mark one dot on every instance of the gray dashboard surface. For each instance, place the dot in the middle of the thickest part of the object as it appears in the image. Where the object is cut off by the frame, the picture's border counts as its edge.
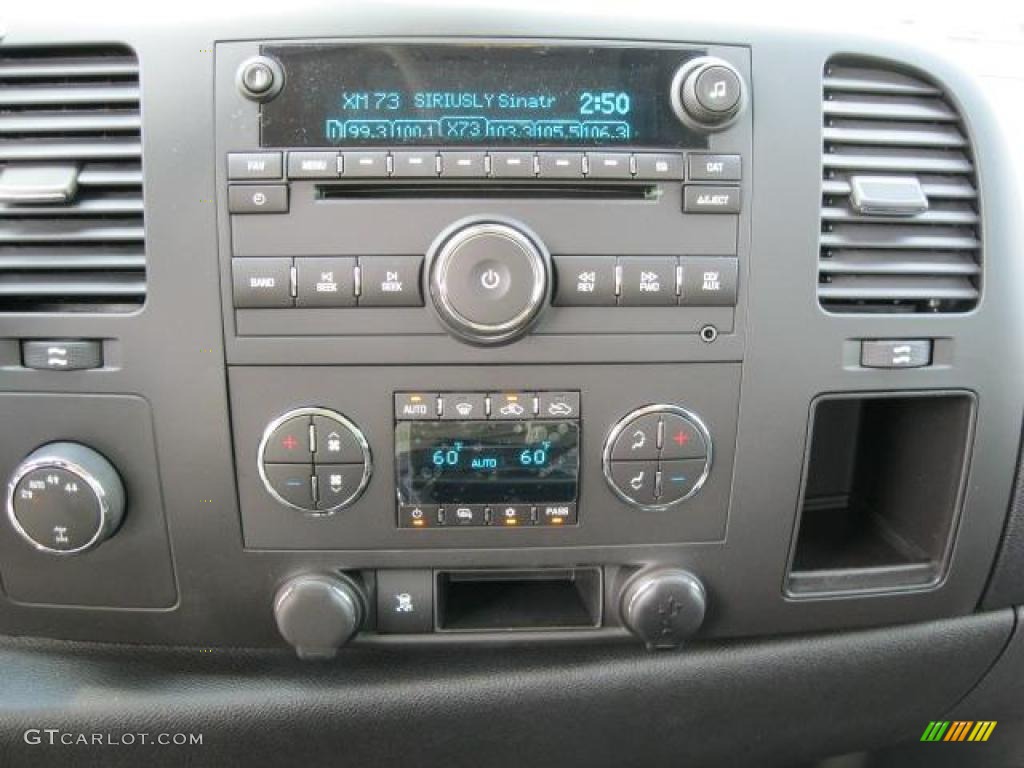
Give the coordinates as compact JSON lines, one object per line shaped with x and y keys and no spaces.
{"x":755,"y":703}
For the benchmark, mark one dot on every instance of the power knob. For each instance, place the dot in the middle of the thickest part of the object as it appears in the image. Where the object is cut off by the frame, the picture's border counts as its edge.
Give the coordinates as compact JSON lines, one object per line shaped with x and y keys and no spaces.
{"x":65,"y":498}
{"x":489,"y":278}
{"x":318,"y":613}
{"x":663,"y":607}
{"x":708,"y":94}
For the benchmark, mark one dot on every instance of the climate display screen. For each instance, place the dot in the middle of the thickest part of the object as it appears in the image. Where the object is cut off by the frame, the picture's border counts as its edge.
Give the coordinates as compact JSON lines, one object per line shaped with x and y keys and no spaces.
{"x":474,"y":95}
{"x":483,"y":462}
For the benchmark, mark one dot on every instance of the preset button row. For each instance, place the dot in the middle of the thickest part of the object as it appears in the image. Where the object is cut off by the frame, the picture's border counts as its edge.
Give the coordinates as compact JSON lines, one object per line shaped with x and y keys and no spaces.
{"x":486,"y":515}
{"x":636,"y":281}
{"x":327,"y":281}
{"x":413,"y":163}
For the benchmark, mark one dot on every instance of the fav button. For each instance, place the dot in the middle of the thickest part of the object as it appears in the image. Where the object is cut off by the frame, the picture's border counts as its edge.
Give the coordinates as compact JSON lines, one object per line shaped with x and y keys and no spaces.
{"x":254,"y":165}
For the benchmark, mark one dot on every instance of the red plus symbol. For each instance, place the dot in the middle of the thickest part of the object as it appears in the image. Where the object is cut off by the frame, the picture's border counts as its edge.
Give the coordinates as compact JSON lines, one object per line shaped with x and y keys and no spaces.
{"x":681,"y":438}
{"x":290,"y":443}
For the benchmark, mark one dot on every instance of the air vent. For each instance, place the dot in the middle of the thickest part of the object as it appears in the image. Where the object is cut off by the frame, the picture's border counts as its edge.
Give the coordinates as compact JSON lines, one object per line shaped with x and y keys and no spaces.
{"x":900,"y":225}
{"x":71,"y":203}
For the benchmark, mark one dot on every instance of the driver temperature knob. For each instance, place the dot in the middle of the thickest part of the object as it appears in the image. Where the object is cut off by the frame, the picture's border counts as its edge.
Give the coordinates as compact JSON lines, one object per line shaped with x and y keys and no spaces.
{"x":488,"y":278}
{"x":663,"y":607}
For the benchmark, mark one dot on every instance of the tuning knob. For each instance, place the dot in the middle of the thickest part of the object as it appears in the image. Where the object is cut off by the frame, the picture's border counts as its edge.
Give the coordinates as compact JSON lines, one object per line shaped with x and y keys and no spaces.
{"x":708,"y":93}
{"x":489,"y":279}
{"x":318,"y":613}
{"x":65,"y":498}
{"x":663,"y":607}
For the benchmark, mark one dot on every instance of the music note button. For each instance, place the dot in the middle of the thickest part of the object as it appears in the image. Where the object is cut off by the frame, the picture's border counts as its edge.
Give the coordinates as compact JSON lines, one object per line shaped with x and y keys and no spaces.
{"x":718,"y":89}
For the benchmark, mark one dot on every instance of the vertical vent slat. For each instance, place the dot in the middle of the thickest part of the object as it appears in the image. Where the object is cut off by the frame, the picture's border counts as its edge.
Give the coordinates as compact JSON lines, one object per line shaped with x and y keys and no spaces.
{"x":884,"y":125}
{"x":76,"y":109}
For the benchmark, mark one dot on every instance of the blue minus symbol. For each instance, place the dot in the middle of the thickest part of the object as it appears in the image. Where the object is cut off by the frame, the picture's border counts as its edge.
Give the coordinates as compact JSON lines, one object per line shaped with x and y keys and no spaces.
{"x":679,"y":479}
{"x":294,"y":483}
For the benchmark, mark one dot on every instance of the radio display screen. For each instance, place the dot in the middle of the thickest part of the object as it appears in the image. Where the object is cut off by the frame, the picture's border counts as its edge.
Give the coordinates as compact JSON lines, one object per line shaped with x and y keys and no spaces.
{"x":474,"y":95}
{"x":483,"y":462}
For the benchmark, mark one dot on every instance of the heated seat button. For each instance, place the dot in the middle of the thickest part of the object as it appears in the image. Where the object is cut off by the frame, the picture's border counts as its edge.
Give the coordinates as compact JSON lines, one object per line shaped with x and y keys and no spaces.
{"x":390,"y":281}
{"x":648,"y":281}
{"x":337,"y":483}
{"x":585,"y":281}
{"x":678,"y":478}
{"x":681,"y":439}
{"x":335,"y":443}
{"x":636,"y":480}
{"x":405,"y":601}
{"x":293,"y":483}
{"x":289,"y":443}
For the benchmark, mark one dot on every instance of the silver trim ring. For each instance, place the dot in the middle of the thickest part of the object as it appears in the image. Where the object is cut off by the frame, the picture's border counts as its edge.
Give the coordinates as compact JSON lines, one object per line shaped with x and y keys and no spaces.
{"x":47,"y":461}
{"x":458,"y":235}
{"x":345,"y":422}
{"x":629,"y":418}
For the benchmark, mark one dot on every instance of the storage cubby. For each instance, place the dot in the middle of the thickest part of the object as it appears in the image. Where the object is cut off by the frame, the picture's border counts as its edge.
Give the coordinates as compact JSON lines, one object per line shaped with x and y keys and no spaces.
{"x":882,"y":491}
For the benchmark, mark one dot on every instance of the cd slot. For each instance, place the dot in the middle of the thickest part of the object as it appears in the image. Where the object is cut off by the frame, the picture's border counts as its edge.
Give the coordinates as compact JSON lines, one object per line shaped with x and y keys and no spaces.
{"x":489,"y":190}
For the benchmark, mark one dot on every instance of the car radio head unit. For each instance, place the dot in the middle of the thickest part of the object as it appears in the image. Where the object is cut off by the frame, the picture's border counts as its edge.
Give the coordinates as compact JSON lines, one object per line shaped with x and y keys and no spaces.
{"x":473,"y":95}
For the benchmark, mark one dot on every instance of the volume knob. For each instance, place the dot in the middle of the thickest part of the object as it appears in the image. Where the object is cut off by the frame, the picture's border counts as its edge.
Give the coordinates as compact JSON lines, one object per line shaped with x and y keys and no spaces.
{"x":708,"y":93}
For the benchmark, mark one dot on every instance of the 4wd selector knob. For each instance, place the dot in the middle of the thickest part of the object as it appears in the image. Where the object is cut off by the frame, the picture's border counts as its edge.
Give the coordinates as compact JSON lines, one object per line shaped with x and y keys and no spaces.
{"x":708,"y":93}
{"x":489,"y":279}
{"x":663,"y":607}
{"x":65,"y":498}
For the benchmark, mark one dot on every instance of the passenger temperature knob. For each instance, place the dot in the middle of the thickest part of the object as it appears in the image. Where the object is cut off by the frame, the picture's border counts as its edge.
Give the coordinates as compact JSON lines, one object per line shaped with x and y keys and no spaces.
{"x":318,"y":613}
